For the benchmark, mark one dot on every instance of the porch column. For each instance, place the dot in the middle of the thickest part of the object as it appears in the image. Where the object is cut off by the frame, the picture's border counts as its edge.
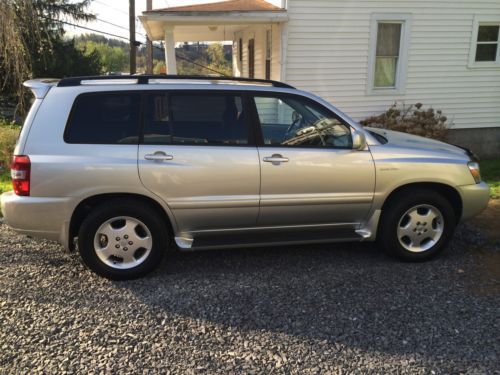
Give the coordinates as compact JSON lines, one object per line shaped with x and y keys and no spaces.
{"x":170,"y":50}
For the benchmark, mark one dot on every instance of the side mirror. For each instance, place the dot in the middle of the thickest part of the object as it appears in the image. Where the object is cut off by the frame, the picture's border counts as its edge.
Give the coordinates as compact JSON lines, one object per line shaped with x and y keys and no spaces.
{"x":358,"y":140}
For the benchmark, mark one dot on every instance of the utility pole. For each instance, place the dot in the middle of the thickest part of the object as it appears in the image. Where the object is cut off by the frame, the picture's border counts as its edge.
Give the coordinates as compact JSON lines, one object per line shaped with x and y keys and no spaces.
{"x":133,"y":49}
{"x":149,"y":44}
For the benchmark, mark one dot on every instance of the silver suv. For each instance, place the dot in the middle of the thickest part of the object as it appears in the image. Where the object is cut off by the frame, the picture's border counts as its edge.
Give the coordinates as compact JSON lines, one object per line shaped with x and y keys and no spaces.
{"x":123,"y":168}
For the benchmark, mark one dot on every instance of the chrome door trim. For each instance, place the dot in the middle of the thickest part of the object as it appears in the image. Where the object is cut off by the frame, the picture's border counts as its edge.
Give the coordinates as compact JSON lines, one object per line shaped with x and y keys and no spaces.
{"x":215,"y":202}
{"x":314,"y":199}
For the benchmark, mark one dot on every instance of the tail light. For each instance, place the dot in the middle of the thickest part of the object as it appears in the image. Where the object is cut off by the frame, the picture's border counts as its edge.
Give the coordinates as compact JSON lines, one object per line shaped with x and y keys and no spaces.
{"x":20,"y":173}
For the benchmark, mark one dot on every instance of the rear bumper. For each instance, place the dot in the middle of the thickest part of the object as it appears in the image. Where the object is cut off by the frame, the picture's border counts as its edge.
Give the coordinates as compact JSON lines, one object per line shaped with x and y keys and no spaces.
{"x":37,"y":216}
{"x":475,"y":198}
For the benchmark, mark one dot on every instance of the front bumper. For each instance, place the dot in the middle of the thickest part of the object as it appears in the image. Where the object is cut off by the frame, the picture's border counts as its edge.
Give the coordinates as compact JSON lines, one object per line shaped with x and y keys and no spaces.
{"x":37,"y":216}
{"x":475,"y":198}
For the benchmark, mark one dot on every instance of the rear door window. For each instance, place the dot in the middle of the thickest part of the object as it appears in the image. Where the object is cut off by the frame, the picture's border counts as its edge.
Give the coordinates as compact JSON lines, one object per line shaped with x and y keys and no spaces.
{"x":104,"y":118}
{"x":188,"y":118}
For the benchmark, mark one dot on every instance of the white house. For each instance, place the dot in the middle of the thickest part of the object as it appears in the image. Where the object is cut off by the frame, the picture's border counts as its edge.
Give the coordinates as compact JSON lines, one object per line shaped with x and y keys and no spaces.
{"x":362,"y":55}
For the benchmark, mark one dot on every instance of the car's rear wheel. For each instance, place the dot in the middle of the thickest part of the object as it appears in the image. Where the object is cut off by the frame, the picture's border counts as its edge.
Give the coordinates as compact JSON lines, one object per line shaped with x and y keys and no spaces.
{"x":416,"y":224}
{"x":122,"y":240}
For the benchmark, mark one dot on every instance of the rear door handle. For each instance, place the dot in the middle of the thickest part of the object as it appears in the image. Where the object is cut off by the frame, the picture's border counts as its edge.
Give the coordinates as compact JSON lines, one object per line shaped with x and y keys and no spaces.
{"x":276,"y":159}
{"x":158,"y":156}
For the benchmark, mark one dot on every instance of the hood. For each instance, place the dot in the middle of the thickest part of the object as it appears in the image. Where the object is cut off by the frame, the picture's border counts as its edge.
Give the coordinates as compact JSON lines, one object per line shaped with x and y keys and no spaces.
{"x":410,"y":141}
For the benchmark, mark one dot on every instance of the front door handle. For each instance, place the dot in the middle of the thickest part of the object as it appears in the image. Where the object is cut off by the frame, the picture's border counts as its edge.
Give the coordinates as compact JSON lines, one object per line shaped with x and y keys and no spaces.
{"x":276,"y":159}
{"x":158,"y":156}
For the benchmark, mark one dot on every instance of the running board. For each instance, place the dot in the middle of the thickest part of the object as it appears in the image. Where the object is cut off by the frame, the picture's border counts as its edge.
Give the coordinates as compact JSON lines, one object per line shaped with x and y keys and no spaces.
{"x":276,"y":238}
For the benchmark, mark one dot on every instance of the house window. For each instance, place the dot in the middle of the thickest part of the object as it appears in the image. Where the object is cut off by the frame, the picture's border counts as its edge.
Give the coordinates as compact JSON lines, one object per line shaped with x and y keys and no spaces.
{"x":251,"y":58}
{"x":240,"y":50}
{"x":388,"y":53}
{"x":485,"y":42}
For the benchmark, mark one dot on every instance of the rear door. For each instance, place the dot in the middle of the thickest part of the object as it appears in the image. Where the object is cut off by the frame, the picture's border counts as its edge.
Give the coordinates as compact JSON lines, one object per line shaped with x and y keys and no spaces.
{"x":197,"y":152}
{"x":309,"y":172}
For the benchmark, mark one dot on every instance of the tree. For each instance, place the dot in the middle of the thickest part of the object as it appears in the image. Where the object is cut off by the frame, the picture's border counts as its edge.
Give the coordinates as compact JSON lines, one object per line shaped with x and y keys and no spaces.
{"x":217,"y":58}
{"x":112,"y":59}
{"x":194,"y":59}
{"x":63,"y":60}
{"x":159,"y":67}
{"x":31,"y":38}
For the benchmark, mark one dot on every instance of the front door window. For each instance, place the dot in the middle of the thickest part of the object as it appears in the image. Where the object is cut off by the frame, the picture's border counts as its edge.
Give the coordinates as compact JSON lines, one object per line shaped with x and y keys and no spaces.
{"x":297,"y":122}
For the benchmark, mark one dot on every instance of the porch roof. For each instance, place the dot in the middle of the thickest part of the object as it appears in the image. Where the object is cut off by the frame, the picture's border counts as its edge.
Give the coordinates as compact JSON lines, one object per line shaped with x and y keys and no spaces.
{"x":224,"y":6}
{"x":209,"y":22}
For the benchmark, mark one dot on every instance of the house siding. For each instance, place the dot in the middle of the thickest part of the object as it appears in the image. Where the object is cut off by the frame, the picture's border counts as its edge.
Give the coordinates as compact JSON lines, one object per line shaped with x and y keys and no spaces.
{"x":328,"y":46}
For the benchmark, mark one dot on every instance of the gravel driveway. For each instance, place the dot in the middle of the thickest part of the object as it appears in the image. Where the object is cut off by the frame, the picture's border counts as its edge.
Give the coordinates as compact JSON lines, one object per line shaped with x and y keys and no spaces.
{"x":305,"y":309}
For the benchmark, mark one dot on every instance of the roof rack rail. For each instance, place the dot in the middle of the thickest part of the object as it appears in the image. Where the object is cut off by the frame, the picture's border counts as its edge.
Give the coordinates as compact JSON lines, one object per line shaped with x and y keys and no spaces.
{"x":144,"y":79}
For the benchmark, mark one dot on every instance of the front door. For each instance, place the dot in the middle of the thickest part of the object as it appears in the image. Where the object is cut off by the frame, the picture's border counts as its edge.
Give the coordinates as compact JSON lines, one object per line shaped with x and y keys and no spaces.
{"x":309,"y":172}
{"x":197,"y":153}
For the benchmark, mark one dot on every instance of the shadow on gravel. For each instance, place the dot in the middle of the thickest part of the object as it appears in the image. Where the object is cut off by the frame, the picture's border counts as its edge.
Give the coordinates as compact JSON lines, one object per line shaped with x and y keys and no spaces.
{"x":347,"y":294}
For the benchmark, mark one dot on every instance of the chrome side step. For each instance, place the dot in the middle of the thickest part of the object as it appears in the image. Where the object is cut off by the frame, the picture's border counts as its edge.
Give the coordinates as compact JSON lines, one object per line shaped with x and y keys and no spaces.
{"x":369,"y":230}
{"x":270,"y":238}
{"x":184,"y":242}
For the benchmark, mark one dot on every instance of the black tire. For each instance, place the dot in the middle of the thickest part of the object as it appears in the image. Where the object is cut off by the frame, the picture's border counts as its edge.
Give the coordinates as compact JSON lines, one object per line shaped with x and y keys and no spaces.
{"x":399,"y":204}
{"x":123,"y":208}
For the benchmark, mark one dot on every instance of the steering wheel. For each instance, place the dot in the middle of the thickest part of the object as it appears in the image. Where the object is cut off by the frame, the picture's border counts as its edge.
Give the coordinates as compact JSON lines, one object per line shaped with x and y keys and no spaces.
{"x":296,"y":121}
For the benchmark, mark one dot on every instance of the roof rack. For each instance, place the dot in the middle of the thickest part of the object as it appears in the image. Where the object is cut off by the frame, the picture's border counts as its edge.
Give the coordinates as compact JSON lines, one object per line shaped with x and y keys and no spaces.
{"x":144,"y":79}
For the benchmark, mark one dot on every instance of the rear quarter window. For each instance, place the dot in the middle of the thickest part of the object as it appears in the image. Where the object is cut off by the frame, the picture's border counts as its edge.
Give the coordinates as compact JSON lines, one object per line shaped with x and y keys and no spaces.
{"x":104,"y":118}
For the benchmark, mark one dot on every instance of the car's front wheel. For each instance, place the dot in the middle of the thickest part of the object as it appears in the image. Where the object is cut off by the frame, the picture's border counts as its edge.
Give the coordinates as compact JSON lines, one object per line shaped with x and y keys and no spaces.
{"x":122,"y":240}
{"x":416,"y":224}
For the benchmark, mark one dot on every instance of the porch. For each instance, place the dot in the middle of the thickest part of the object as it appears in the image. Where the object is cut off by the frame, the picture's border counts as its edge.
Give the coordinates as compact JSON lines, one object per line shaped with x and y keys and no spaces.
{"x":255,"y":28}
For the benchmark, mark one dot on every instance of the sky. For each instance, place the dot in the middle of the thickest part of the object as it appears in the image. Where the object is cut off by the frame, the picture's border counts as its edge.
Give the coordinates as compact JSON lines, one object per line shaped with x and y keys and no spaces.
{"x":113,"y":16}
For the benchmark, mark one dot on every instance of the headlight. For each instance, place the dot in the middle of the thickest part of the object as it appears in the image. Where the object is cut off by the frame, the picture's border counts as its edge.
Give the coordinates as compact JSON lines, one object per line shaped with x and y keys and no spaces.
{"x":474,"y":171}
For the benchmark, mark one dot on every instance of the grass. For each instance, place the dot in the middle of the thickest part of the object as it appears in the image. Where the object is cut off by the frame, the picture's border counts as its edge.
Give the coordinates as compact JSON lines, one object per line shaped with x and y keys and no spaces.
{"x":490,"y":172}
{"x":5,"y":184}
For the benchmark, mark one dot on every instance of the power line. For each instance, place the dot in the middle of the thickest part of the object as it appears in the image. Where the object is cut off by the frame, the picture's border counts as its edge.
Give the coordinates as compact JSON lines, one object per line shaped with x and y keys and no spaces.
{"x":94,"y":30}
{"x":200,"y":65}
{"x":122,"y":37}
{"x":112,"y":24}
{"x":178,"y":56}
{"x":90,"y":29}
{"x":111,"y":7}
{"x":119,"y":26}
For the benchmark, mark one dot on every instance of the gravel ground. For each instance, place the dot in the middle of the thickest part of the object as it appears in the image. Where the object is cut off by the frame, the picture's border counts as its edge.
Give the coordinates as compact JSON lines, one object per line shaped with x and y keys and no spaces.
{"x":308,"y":309}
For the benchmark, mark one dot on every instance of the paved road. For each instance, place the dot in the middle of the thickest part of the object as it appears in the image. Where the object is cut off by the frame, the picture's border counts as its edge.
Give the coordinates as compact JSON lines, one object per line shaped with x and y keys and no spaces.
{"x":307,"y":309}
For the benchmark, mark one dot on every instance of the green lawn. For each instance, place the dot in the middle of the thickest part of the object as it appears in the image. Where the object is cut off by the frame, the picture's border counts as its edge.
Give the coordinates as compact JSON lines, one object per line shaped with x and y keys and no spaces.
{"x":490,"y":172}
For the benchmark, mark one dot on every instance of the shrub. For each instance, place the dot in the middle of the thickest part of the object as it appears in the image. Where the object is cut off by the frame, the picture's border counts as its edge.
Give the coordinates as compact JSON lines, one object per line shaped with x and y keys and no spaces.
{"x":413,"y":119}
{"x":8,"y":137}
